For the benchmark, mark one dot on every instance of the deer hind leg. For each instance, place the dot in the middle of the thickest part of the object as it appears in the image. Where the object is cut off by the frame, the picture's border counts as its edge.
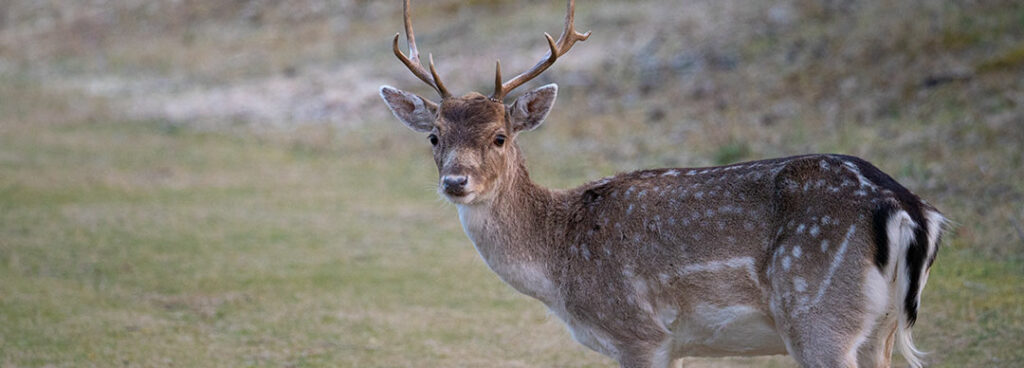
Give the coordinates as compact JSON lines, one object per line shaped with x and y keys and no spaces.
{"x":880,"y":319}
{"x":638,"y":358}
{"x":849,"y":328}
{"x":826,"y":299}
{"x":876,"y":352}
{"x":823,"y":339}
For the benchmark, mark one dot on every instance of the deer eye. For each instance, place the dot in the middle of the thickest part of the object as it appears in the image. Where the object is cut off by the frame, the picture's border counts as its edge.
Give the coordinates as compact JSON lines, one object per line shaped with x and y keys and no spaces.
{"x":433,"y":139}
{"x":499,"y":140}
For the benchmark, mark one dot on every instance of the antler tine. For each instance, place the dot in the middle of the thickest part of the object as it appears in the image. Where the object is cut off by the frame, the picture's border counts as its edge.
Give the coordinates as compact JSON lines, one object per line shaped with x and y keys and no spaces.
{"x":497,"y":95}
{"x":410,"y":37}
{"x":437,"y":80}
{"x":413,"y":60}
{"x":565,"y":42}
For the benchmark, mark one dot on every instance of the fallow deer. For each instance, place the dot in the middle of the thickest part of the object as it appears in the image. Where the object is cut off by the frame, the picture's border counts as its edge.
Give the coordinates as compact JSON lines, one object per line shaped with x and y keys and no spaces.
{"x":821,"y":256}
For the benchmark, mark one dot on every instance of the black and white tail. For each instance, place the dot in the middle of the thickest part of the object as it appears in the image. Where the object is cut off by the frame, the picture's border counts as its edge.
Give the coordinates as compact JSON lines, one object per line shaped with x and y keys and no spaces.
{"x":912,"y":230}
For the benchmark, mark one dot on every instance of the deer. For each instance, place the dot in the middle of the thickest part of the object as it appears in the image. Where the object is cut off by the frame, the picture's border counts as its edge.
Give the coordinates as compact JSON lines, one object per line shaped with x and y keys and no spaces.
{"x":820,"y":256}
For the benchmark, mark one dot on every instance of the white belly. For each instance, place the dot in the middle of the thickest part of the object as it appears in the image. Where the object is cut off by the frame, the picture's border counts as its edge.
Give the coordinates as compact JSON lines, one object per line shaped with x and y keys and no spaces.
{"x":725,"y":331}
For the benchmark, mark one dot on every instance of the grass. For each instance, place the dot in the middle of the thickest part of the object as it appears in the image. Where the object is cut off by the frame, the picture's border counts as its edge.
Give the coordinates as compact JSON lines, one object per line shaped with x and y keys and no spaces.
{"x":145,"y":241}
{"x":138,"y":244}
{"x":132,"y":243}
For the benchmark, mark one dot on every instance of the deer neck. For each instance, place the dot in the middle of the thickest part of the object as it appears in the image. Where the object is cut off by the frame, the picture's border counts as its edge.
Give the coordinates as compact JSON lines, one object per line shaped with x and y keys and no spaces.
{"x":511,"y":233}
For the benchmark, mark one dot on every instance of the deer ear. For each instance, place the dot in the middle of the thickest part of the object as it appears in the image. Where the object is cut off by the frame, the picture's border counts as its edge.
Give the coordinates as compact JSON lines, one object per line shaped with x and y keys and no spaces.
{"x":414,"y":111}
{"x":530,"y":109}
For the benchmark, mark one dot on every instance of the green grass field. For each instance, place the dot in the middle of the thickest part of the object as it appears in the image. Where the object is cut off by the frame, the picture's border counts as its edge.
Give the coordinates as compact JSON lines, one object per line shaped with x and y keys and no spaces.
{"x":141,"y":241}
{"x":142,"y":244}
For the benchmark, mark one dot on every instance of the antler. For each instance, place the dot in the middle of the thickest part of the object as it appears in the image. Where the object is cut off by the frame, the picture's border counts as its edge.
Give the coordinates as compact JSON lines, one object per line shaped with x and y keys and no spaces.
{"x":413,"y":61}
{"x":565,"y":41}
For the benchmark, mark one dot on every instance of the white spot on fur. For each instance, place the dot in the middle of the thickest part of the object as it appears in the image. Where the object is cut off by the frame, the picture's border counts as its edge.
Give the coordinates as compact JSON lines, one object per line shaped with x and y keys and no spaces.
{"x":785,"y":263}
{"x":797,"y":251}
{"x":799,"y":284}
{"x":715,"y":266}
{"x":824,"y":245}
{"x":800,"y":229}
{"x":835,"y":264}
{"x":672,"y":172}
{"x":864,"y":182}
{"x":815,"y":230}
{"x":691,"y":173}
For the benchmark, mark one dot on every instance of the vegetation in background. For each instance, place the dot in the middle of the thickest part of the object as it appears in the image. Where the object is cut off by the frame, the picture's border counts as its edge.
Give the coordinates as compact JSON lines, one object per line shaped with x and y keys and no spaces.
{"x":215,"y":183}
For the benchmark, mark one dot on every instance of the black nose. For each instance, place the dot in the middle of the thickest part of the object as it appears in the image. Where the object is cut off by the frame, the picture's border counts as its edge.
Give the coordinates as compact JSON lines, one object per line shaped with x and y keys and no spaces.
{"x":453,"y":184}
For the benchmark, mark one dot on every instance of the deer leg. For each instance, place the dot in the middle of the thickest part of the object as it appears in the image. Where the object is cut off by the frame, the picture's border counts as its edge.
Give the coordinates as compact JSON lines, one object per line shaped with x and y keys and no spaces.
{"x":876,"y":352}
{"x":645,"y":355}
{"x":635,"y":362}
{"x":817,"y":336}
{"x":814,"y":345}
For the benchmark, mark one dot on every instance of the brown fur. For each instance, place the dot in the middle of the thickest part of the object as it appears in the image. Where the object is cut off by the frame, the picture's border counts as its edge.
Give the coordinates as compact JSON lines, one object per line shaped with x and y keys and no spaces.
{"x":790,"y":237}
{"x":810,"y":255}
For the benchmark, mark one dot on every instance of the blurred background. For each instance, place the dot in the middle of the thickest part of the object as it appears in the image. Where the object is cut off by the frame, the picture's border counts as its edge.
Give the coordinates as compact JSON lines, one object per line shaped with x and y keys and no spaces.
{"x":216,"y":183}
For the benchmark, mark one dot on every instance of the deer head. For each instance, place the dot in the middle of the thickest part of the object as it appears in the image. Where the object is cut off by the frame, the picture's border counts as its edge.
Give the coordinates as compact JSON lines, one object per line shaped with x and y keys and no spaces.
{"x":473,"y":136}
